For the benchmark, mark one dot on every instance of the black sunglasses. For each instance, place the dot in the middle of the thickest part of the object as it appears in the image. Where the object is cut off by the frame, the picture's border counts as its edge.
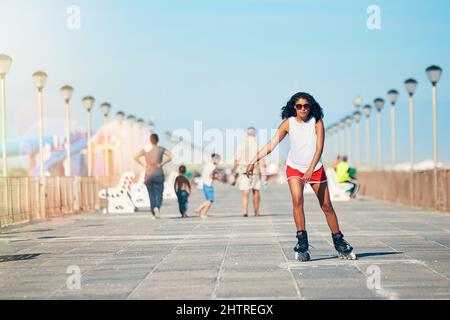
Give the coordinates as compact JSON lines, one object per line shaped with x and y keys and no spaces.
{"x":302,"y":106}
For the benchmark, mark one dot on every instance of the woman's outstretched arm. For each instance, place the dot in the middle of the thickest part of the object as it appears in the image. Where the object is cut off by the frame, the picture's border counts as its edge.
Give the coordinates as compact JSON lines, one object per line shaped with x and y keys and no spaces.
{"x":283,"y":130}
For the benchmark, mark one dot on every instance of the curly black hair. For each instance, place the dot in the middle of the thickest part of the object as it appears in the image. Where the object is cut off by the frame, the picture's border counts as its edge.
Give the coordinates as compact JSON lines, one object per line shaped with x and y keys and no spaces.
{"x":289,"y":109}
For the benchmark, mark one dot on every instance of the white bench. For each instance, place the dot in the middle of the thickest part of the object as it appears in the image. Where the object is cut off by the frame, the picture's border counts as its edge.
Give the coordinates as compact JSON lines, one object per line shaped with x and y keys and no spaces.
{"x":338,"y":191}
{"x":139,"y":194}
{"x":118,"y":199}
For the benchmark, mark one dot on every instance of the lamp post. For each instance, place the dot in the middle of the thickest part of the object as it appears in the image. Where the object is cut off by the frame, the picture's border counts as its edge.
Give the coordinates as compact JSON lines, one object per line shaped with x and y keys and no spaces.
{"x":367,"y":110}
{"x":379,"y":104}
{"x":348,"y":124}
{"x":5,"y":66}
{"x":331,"y":134}
{"x":341,"y":133}
{"x":40,"y":80}
{"x":434,"y":75}
{"x":120,"y":117}
{"x":105,"y":108}
{"x":151,"y":126}
{"x":356,"y":119}
{"x":336,"y":138}
{"x":67,"y":92}
{"x":357,"y":102}
{"x":411,"y":86}
{"x":131,"y":119}
{"x":393,"y":97}
{"x":88,"y":103}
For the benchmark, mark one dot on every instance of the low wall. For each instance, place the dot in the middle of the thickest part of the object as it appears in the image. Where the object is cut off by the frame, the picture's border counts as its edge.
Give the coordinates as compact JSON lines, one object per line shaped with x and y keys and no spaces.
{"x":409,"y":188}
{"x":20,"y":197}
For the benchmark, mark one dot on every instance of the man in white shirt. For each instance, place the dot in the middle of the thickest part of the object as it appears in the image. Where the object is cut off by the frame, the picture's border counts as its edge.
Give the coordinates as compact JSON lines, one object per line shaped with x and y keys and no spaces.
{"x":245,"y":153}
{"x":208,"y":176}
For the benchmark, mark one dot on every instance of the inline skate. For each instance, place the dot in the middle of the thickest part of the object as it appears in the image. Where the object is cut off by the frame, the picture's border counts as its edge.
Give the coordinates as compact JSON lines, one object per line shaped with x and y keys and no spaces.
{"x":344,"y":249}
{"x":302,"y":247}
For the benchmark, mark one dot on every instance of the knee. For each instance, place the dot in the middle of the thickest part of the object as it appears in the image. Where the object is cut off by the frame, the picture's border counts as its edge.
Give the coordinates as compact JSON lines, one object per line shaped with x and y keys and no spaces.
{"x":297,"y":202}
{"x":327,"y":208}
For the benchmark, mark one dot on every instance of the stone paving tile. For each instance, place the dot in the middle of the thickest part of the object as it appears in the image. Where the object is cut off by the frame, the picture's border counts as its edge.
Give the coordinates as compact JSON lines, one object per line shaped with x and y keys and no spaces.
{"x":228,"y":256}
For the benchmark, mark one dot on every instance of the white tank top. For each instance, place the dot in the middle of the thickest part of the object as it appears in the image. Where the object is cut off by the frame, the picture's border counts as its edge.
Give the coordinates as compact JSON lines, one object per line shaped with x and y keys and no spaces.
{"x":303,"y":140}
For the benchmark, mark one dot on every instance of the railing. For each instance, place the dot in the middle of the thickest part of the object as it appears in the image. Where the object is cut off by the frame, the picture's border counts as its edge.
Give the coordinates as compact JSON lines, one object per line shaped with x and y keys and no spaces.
{"x":21,"y":198}
{"x":416,"y":189}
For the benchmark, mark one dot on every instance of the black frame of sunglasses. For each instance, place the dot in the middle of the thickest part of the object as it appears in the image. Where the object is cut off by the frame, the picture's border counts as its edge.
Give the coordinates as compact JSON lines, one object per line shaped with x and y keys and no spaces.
{"x":300,"y":106}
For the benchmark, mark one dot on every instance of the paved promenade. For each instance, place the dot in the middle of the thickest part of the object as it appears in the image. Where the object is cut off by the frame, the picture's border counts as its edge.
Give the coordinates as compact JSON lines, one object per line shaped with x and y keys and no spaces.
{"x":403,"y":253}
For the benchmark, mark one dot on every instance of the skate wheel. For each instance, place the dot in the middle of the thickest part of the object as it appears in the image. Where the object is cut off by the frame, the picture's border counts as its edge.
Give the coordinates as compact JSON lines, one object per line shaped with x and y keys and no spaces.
{"x":303,"y":257}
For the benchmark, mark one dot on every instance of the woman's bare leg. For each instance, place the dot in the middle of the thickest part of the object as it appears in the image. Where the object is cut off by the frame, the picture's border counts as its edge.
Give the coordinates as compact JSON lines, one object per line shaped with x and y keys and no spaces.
{"x":296,"y":187}
{"x":322,"y":193}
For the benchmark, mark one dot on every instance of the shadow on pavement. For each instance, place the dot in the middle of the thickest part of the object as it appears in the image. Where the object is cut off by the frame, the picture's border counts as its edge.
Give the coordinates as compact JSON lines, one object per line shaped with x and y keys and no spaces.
{"x":359,"y":255}
{"x":375,"y":254}
{"x":19,"y":257}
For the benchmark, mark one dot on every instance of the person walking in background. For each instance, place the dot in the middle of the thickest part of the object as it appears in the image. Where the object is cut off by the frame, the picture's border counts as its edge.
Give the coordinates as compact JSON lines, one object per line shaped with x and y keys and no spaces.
{"x":154,"y":174}
{"x":302,"y":121}
{"x":245,"y":153}
{"x":182,"y":190}
{"x":345,"y":174}
{"x":208,"y":176}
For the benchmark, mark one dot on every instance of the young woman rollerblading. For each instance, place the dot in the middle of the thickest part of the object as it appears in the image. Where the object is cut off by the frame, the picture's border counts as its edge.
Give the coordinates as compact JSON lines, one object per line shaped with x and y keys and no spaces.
{"x":302,"y":120}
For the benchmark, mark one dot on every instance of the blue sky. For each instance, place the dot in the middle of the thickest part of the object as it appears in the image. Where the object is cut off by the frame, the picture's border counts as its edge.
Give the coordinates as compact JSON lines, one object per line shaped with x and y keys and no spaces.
{"x":229,"y":63}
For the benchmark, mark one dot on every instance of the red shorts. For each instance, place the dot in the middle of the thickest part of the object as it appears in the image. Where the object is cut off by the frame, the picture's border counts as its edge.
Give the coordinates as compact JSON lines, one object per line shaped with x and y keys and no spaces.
{"x":318,"y":176}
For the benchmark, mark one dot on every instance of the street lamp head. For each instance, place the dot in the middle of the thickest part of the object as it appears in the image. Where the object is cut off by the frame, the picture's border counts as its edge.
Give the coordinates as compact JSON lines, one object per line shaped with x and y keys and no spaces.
{"x":88,"y":103}
{"x":40,"y":79}
{"x":105,"y":108}
{"x":367,"y":110}
{"x":336,"y":127}
{"x":434,"y":74}
{"x":379,"y":104}
{"x":131,"y":118}
{"x":411,"y":86}
{"x":120,"y":116}
{"x":357,"y":116}
{"x":5,"y":64}
{"x":67,"y":92}
{"x":358,"y":101}
{"x":393,"y":96}
{"x":348,"y":121}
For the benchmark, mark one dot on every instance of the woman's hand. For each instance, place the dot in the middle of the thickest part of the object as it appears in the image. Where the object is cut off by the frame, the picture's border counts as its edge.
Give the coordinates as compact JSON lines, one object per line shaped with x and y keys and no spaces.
{"x":307,"y":175}
{"x":249,"y":171}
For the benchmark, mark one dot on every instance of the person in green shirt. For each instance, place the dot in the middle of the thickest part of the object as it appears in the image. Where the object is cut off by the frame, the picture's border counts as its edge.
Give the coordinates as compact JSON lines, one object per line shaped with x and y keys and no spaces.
{"x":343,"y":175}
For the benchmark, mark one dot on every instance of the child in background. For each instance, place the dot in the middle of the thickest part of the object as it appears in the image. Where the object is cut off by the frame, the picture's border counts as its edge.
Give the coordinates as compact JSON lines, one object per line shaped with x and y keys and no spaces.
{"x":208,"y":176}
{"x":183,"y":190}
